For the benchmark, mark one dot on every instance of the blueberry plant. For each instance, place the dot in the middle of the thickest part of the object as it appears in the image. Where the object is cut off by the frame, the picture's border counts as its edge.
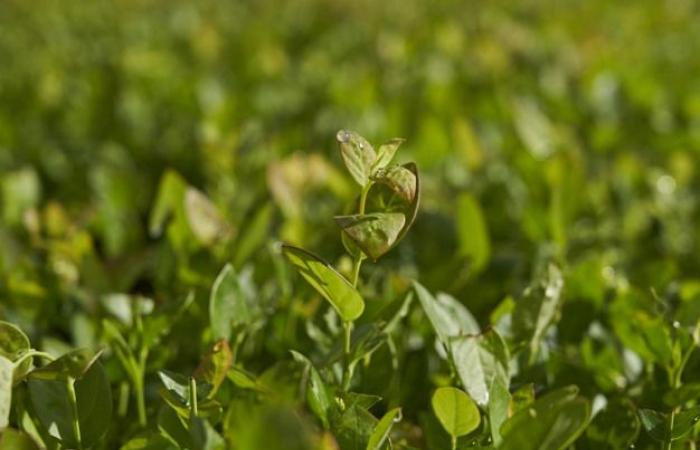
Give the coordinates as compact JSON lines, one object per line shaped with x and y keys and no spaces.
{"x":382,"y":362}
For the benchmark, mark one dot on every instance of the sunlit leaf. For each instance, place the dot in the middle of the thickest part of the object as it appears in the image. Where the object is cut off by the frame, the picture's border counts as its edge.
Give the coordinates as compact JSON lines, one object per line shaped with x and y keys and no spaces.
{"x":358,"y":155}
{"x":456,"y":411}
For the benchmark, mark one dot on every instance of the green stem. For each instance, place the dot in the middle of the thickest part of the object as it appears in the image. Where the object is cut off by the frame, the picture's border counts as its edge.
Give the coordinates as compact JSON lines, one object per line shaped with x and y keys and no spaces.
{"x":140,"y":400}
{"x":70,"y":387}
{"x":193,"y":398}
{"x":347,"y":367}
{"x":454,"y":442}
{"x":30,"y":354}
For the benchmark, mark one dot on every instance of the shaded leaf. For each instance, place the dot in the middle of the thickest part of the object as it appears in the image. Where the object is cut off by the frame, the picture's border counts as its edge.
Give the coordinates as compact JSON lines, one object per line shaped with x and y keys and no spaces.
{"x":448,"y":317}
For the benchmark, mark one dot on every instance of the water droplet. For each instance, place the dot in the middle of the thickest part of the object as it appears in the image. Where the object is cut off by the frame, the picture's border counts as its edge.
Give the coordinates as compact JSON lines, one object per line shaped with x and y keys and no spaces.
{"x":343,"y":136}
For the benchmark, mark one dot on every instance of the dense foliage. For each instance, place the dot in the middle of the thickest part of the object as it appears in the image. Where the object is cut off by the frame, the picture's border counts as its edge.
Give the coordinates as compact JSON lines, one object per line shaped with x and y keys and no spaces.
{"x":193,"y":256}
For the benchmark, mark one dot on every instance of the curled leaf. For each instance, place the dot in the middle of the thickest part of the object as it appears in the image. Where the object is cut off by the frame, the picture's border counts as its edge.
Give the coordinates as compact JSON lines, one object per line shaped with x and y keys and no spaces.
{"x":400,"y":180}
{"x":374,"y":233}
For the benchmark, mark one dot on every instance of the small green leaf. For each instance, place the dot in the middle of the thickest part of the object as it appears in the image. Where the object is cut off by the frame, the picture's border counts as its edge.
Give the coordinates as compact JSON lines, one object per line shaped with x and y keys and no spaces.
{"x":480,"y":360}
{"x":215,"y":365}
{"x":400,"y":180}
{"x":228,"y":305}
{"x":358,"y":155}
{"x":456,"y":411}
{"x":474,"y":242}
{"x":386,"y":153}
{"x":327,"y":281}
{"x":499,"y":402}
{"x":354,"y":428}
{"x":317,"y":395}
{"x":374,"y":233}
{"x":6,"y":369}
{"x":13,"y":343}
{"x":448,"y":317}
{"x":380,"y":435}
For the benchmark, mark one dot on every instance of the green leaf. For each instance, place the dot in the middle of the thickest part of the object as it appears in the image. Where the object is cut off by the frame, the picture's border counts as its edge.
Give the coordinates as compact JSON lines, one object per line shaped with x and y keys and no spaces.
{"x":12,"y":439}
{"x":13,"y":343}
{"x":6,"y":370}
{"x":552,"y":422}
{"x":358,"y":155}
{"x":215,"y":365}
{"x":456,"y":411}
{"x":386,"y":153}
{"x":474,"y":241}
{"x":480,"y":360}
{"x":228,"y":305}
{"x":499,"y":403}
{"x":538,"y":308}
{"x":374,"y":233}
{"x":616,"y":426}
{"x":448,"y":317}
{"x":399,"y":179}
{"x":354,"y":428}
{"x":48,"y":391}
{"x":380,"y":435}
{"x":327,"y":281}
{"x":658,"y":424}
{"x":683,"y":394}
{"x":411,"y":210}
{"x":317,"y":395}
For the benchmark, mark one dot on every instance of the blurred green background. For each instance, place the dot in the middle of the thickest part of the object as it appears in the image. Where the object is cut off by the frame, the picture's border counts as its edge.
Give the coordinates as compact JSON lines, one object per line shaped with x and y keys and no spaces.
{"x":568,"y":128}
{"x":543,"y":129}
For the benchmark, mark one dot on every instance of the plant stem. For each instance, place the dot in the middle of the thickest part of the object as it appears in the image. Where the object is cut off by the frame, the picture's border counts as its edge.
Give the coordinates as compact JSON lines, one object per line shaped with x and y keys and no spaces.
{"x":347,"y":369}
{"x":454,"y":442}
{"x":30,"y":354}
{"x":70,"y":387}
{"x":193,"y":398}
{"x":140,"y":400}
{"x":347,"y":326}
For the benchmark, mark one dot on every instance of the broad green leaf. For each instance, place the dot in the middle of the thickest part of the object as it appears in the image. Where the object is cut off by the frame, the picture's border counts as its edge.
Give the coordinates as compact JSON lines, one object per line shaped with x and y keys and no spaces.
{"x":448,"y":317}
{"x":380,"y":435}
{"x":13,"y":343}
{"x":6,"y":370}
{"x":553,"y":422}
{"x":204,"y":219}
{"x":327,"y":281}
{"x":353,"y":428}
{"x":228,"y":305}
{"x":399,"y":179}
{"x":358,"y":155}
{"x":386,"y":153}
{"x":480,"y":360}
{"x":317,"y":395}
{"x":456,"y":411}
{"x":616,"y":426}
{"x":374,"y":233}
{"x":215,"y":365}
{"x":538,"y":308}
{"x":474,"y":241}
{"x":12,"y":439}
{"x":48,"y":391}
{"x":499,"y":405}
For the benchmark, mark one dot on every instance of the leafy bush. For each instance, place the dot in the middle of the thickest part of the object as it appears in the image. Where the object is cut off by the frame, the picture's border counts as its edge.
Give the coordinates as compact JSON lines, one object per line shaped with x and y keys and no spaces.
{"x":167,"y":182}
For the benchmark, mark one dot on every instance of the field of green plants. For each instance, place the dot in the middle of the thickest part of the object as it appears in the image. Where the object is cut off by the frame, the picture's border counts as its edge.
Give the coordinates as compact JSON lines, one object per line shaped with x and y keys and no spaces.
{"x":349,"y":225}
